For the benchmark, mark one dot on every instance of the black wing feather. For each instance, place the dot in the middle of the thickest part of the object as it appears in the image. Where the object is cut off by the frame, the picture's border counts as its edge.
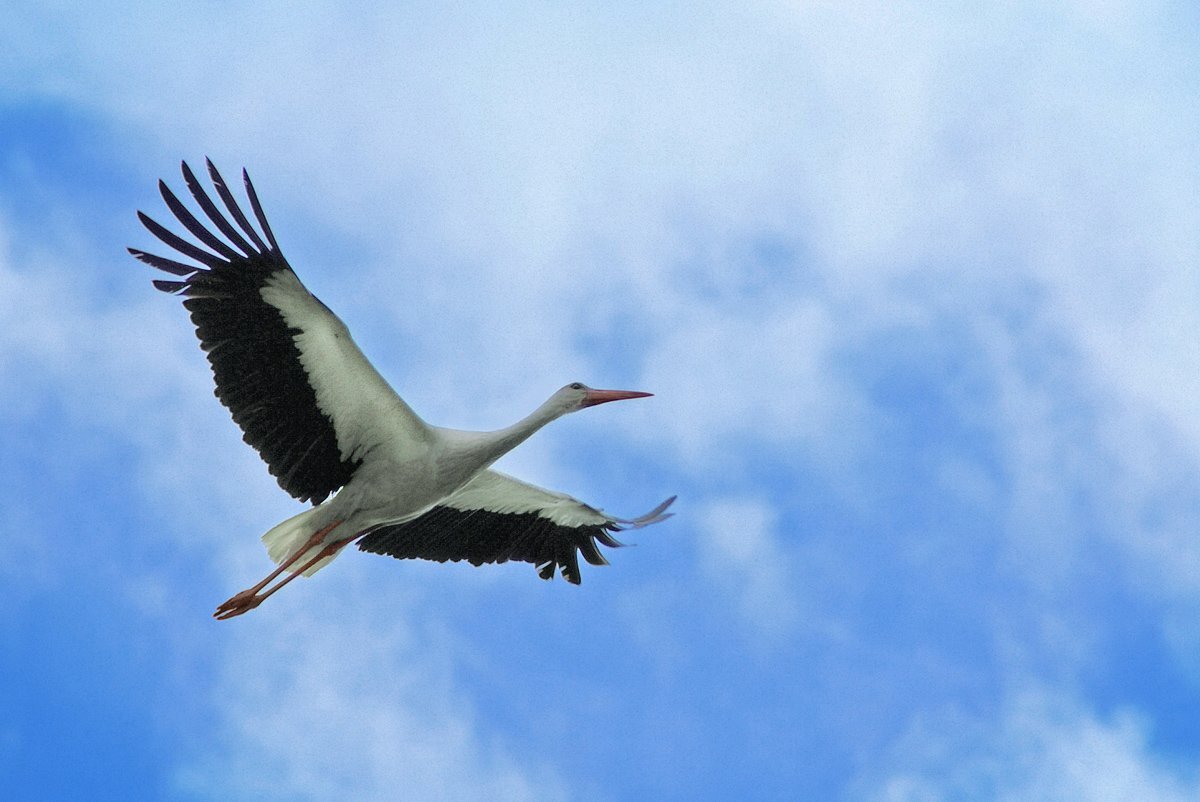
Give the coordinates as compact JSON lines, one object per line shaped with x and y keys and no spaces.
{"x":258,"y":212}
{"x":210,"y":209}
{"x":166,"y":265}
{"x":193,"y":225}
{"x":231,"y":205}
{"x":483,"y":536}
{"x":180,"y":244}
{"x":253,"y":352}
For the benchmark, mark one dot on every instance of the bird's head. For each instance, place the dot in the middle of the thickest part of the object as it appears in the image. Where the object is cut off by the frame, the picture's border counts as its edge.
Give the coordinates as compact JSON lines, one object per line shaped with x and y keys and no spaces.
{"x":576,"y":396}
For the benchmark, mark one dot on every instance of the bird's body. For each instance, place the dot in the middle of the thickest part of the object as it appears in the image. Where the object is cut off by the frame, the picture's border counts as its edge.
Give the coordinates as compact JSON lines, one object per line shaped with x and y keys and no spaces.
{"x":326,"y":422}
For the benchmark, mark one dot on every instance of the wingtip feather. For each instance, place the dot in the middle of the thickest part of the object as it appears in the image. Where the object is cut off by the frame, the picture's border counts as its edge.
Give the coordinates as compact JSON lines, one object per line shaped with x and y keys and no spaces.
{"x":655,"y":515}
{"x":238,"y":215}
{"x":172,"y":287}
{"x":258,"y":210}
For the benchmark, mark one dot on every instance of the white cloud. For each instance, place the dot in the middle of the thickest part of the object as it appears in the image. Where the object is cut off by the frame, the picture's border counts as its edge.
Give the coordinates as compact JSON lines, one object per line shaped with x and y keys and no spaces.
{"x":531,"y":177}
{"x":1040,"y":747}
{"x":126,"y":366}
{"x":534,"y":174}
{"x":740,"y":553}
{"x":846,"y":130}
{"x":362,"y":707}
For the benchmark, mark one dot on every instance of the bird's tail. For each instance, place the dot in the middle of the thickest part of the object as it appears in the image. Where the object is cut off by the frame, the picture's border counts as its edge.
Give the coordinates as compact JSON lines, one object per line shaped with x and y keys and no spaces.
{"x":285,"y":538}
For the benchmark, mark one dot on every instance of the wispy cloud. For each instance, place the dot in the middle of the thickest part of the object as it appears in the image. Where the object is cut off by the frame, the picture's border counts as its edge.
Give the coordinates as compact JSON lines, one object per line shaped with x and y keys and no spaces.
{"x":934,"y":267}
{"x":741,"y":554}
{"x":364,"y":708}
{"x":1040,"y":746}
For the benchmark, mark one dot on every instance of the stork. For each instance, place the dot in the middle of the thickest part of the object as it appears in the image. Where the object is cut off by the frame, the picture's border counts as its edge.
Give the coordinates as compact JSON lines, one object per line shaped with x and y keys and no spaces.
{"x":325,"y":422}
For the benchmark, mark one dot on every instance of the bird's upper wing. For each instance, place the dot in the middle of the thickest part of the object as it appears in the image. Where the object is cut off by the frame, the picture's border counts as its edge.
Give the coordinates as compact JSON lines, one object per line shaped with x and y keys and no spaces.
{"x":495,"y":518}
{"x":304,"y":395}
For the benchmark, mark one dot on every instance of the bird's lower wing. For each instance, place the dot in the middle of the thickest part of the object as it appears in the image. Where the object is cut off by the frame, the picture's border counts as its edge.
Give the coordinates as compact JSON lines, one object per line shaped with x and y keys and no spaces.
{"x":495,"y":518}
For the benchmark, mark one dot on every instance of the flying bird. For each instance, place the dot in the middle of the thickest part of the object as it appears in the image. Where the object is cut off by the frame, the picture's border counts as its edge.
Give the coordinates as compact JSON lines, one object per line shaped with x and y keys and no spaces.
{"x":334,"y":433}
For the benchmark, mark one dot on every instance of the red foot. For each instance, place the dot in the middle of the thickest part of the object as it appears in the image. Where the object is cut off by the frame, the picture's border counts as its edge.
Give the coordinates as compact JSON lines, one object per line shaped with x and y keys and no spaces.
{"x":240,"y":603}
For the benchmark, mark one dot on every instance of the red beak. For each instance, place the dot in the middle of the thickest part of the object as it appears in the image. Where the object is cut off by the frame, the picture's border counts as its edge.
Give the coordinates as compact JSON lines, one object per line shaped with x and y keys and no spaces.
{"x":604,"y":396}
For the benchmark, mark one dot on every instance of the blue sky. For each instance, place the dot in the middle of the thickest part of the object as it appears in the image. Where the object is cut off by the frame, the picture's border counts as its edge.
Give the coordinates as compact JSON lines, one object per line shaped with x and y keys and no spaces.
{"x":916,"y":288}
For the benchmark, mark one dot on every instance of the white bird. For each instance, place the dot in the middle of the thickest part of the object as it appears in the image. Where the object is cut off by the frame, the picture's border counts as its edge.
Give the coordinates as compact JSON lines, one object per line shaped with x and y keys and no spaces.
{"x":326,"y":422}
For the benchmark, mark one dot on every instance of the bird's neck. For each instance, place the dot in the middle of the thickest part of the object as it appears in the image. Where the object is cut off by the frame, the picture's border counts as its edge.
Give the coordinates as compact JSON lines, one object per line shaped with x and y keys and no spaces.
{"x":470,"y":452}
{"x":502,"y":441}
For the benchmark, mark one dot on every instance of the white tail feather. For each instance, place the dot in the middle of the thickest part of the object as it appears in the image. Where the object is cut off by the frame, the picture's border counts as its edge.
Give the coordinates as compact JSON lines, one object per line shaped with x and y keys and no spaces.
{"x":285,"y":538}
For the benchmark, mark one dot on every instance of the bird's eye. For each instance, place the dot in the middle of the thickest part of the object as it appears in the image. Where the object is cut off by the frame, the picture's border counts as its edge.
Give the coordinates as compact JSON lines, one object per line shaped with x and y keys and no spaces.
{"x":576,"y":386}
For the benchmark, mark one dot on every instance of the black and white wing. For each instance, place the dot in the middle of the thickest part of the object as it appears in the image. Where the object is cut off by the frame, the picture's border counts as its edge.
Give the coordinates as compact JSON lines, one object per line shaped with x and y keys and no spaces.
{"x":303,"y":394}
{"x":495,"y":518}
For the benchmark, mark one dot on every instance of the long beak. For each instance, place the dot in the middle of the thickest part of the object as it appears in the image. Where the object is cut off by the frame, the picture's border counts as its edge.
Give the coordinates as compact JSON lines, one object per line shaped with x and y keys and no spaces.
{"x":604,"y":396}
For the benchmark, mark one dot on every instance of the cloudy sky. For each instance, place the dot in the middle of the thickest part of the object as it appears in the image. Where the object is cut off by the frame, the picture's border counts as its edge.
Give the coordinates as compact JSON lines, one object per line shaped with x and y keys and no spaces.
{"x":916,"y":287}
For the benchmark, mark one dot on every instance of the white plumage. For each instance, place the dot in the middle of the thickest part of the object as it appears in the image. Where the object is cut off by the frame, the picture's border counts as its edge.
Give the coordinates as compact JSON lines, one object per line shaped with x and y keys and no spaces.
{"x":326,"y":422}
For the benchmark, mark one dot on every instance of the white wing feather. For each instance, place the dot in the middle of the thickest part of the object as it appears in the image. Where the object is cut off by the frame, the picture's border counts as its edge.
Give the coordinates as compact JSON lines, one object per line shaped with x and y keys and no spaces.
{"x":498,"y":492}
{"x":361,"y":404}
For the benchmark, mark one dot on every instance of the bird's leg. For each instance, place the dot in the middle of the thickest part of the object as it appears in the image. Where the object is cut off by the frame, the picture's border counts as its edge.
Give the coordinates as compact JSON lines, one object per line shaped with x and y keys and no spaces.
{"x":249,"y":598}
{"x":332,"y":548}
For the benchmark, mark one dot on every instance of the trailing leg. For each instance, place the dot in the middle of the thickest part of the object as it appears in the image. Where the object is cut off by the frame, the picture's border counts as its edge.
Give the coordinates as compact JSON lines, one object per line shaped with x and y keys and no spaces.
{"x":251,"y":597}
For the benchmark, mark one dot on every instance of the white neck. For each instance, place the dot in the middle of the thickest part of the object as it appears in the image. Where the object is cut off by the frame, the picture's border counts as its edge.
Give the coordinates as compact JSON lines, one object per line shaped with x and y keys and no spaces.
{"x":501,"y":441}
{"x":475,"y":451}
